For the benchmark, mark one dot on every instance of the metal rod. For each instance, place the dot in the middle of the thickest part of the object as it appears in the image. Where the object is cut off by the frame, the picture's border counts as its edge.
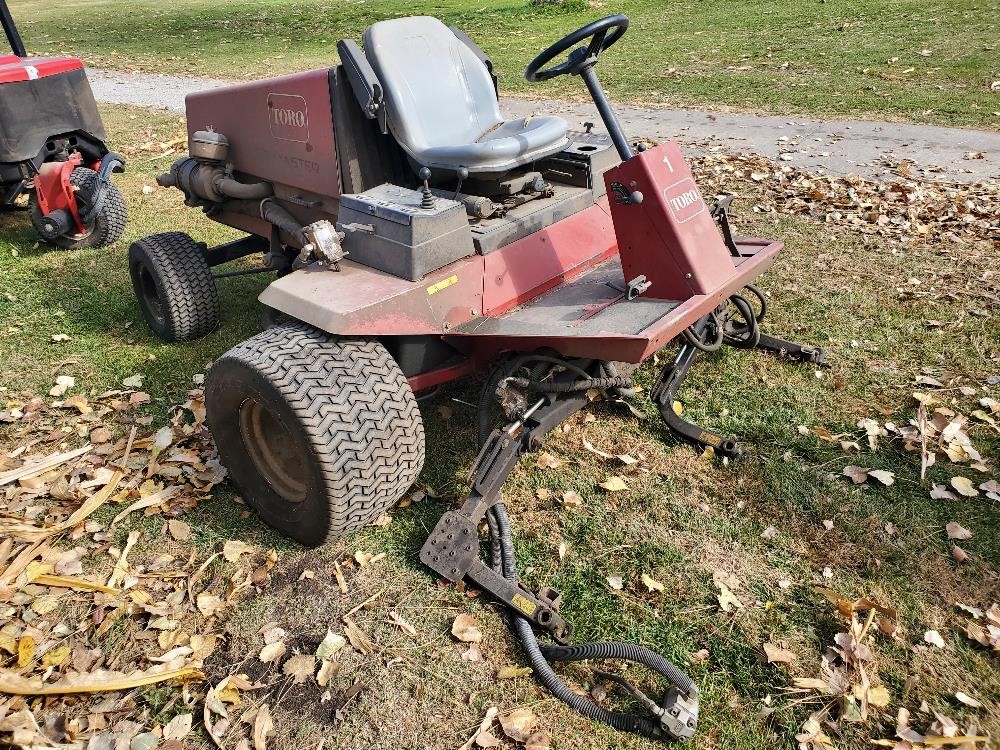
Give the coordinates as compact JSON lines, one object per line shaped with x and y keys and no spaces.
{"x":242,"y":272}
{"x":10,"y":30}
{"x":607,"y":113}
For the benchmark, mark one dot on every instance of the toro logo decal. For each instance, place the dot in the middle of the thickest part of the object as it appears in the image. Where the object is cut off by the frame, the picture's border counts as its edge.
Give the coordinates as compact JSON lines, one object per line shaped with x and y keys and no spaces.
{"x":288,"y":117}
{"x":684,"y":200}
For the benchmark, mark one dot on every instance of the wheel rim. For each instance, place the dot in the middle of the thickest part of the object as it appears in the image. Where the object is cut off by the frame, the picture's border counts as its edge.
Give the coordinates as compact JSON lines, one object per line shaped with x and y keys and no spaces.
{"x":275,"y":454}
{"x":150,"y":295}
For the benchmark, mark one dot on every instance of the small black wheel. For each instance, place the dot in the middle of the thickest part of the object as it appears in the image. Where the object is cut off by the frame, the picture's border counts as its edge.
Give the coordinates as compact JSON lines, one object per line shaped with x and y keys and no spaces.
{"x":321,"y":435}
{"x":105,"y":228}
{"x":174,"y":285}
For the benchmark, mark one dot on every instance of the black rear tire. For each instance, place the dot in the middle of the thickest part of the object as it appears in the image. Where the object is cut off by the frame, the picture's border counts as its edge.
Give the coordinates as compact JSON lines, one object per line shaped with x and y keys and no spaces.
{"x":321,"y":435}
{"x":107,"y":227}
{"x":174,"y":286}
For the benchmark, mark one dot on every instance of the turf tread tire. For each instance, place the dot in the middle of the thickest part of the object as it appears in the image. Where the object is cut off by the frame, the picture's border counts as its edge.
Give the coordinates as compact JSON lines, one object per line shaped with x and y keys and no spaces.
{"x":347,"y":401}
{"x":109,"y":224}
{"x":189,"y":300}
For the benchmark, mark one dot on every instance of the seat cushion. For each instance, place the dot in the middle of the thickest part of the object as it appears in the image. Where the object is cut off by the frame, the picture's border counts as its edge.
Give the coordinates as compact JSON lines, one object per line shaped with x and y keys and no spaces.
{"x":442,"y":107}
{"x":505,"y":146}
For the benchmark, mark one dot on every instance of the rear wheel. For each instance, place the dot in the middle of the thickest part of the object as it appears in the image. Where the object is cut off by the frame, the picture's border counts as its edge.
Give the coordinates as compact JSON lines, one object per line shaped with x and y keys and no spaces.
{"x":174,"y":286}
{"x":105,"y":228}
{"x":321,"y":435}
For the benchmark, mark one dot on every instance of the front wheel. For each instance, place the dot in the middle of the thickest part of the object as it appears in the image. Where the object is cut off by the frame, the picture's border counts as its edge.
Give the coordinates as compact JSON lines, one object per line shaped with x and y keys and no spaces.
{"x":174,"y":286}
{"x":321,"y":435}
{"x":105,"y":228}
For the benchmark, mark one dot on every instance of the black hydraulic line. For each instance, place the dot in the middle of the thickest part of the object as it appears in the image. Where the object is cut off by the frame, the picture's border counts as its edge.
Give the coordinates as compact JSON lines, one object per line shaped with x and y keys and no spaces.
{"x":696,"y":335}
{"x":748,"y":335}
{"x":244,"y":190}
{"x":756,"y":292}
{"x":539,"y":654}
{"x":451,"y":552}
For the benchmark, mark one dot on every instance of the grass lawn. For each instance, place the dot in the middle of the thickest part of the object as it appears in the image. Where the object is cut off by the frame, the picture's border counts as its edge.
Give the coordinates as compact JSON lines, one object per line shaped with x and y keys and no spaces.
{"x":920,"y":60}
{"x":683,"y":519}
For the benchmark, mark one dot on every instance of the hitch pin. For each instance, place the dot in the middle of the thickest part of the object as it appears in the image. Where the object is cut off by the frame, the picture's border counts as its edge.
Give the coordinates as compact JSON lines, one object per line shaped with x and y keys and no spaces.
{"x":514,"y":428}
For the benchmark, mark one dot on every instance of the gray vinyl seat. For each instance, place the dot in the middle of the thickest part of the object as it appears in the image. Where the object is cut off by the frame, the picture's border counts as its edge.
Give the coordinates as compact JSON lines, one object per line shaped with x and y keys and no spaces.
{"x":441,"y":104}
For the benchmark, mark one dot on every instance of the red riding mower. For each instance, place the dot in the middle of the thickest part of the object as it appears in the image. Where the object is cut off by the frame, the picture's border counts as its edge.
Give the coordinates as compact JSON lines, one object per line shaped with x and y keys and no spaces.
{"x":418,"y":237}
{"x":52,"y":148}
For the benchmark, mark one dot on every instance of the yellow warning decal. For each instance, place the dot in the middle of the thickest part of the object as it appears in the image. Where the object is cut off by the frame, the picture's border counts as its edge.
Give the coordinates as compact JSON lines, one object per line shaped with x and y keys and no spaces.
{"x":524,"y":604}
{"x":443,"y":284}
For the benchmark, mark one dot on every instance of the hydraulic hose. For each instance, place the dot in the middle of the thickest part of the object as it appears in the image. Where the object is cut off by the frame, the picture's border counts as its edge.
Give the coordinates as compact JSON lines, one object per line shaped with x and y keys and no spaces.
{"x":244,"y":190}
{"x":272,"y":213}
{"x":504,"y":561}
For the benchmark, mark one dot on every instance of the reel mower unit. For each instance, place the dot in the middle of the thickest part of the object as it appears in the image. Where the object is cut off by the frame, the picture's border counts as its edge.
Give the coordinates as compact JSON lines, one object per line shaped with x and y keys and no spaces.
{"x":52,"y":148}
{"x":418,"y":237}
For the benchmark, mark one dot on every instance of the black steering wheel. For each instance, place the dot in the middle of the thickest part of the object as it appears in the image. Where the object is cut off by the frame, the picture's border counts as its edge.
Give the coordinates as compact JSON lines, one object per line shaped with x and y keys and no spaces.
{"x":600,"y":40}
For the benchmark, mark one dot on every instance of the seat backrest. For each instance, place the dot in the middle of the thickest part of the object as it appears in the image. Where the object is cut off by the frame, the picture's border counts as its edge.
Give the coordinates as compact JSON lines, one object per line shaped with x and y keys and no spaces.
{"x":437,"y":91}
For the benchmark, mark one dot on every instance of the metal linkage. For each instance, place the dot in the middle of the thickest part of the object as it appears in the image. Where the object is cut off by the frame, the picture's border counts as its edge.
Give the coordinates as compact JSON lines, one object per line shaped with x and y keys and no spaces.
{"x":708,"y":335}
{"x":453,"y":551}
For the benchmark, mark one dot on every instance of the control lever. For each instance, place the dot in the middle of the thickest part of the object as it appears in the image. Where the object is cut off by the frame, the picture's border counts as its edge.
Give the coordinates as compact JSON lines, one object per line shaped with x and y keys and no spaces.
{"x":428,"y":197}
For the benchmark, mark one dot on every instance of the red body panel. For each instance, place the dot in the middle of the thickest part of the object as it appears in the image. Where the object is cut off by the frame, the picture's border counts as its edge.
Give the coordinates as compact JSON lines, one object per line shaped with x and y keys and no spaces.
{"x":285,"y":129}
{"x":532,"y":265}
{"x":53,"y":188}
{"x":14,"y":68}
{"x":671,"y":237}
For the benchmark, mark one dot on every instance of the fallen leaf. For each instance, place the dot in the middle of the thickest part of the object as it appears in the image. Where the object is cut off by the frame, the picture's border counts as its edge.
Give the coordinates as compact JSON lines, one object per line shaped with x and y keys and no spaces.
{"x":272,"y":652}
{"x":330,"y":645}
{"x":613,"y":484}
{"x":968,"y":700}
{"x":509,"y":673}
{"x":537,"y":741}
{"x":885,"y":477}
{"x":397,"y":619}
{"x":178,"y":727}
{"x":571,"y":499}
{"x":858,"y":474}
{"x":616,"y":582}
{"x":934,"y":638}
{"x":263,"y":727}
{"x":179,"y":530}
{"x":651,"y":584}
{"x":518,"y":724}
{"x":548,"y":461}
{"x":778,"y":655}
{"x":99,"y":681}
{"x":209,"y":604}
{"x":134,"y":381}
{"x":964,"y":486}
{"x":957,"y":531}
{"x":299,"y":667}
{"x":233,"y":548}
{"x":466,"y":629}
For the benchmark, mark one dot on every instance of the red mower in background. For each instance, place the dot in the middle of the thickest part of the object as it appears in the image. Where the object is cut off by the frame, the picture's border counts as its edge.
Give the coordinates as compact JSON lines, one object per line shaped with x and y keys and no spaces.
{"x":419,"y":237}
{"x":52,"y":148}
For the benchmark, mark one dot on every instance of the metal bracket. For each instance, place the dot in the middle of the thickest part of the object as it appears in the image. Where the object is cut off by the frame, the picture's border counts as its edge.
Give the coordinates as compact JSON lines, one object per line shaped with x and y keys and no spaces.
{"x":680,"y":713}
{"x":452,"y":549}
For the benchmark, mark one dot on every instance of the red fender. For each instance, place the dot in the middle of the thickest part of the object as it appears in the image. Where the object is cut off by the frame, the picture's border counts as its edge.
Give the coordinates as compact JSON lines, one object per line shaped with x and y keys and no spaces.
{"x":53,"y":189}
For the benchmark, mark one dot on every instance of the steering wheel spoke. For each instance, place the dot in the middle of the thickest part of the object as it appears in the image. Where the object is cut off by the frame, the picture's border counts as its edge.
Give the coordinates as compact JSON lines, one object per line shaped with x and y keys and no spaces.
{"x":596,"y":45}
{"x":599,"y":35}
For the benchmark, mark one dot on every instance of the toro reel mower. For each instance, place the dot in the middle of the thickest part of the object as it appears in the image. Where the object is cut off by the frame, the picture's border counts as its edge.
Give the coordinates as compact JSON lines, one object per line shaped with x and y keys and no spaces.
{"x":52,"y":148}
{"x":419,"y":237}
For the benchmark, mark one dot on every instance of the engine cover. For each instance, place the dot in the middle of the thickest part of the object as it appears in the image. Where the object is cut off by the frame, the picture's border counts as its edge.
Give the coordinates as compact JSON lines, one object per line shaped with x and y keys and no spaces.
{"x":279,"y":129}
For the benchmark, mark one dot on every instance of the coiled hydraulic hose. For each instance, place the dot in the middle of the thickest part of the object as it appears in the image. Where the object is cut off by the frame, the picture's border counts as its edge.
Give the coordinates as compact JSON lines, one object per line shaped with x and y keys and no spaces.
{"x":505,"y":563}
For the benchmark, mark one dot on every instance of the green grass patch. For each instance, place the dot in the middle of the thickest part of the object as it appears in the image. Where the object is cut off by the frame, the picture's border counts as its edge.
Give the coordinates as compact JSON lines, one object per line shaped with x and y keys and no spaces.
{"x":683,"y":518}
{"x":920,"y":60}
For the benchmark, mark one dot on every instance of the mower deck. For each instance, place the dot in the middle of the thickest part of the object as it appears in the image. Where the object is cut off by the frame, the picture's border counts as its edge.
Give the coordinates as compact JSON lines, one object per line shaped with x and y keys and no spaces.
{"x":590,"y":316}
